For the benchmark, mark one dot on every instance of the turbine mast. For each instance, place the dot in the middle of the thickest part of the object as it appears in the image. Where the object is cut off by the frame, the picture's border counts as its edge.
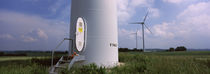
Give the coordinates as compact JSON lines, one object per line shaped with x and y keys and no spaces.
{"x":143,"y":36}
{"x":137,"y":39}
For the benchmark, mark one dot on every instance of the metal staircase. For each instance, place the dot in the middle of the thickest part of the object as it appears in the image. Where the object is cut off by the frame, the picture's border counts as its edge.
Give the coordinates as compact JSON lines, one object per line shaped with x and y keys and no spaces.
{"x":64,"y":61}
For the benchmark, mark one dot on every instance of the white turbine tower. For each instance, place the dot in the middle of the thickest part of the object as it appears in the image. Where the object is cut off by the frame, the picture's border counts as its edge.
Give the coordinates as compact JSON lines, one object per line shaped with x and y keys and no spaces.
{"x":101,"y":43}
{"x":143,"y":25}
{"x":93,"y":35}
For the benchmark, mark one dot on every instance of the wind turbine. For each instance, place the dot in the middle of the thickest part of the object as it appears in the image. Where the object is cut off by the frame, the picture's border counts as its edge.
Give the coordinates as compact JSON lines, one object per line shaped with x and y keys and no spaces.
{"x":143,"y":25}
{"x":136,"y":33}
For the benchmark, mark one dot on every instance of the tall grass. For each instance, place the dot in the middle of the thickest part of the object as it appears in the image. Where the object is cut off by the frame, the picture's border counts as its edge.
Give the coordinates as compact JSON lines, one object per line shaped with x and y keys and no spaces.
{"x":134,"y":63}
{"x":174,"y":65}
{"x":23,"y":69}
{"x":29,"y":66}
{"x":86,"y":69}
{"x":164,"y":63}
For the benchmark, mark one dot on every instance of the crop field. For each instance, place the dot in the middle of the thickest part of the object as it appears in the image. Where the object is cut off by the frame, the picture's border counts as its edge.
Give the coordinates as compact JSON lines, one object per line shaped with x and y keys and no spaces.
{"x":191,"y":62}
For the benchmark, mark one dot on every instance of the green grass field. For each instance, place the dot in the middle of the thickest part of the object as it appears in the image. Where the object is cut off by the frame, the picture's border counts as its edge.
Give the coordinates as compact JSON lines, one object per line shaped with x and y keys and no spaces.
{"x":195,"y":62}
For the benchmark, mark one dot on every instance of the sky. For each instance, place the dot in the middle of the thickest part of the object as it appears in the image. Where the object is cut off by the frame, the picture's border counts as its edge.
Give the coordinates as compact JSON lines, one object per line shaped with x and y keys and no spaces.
{"x":42,"y":24}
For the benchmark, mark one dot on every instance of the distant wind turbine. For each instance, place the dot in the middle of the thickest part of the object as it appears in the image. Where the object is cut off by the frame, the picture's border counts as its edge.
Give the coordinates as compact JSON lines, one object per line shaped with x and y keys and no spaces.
{"x":136,"y":33}
{"x":143,"y":25}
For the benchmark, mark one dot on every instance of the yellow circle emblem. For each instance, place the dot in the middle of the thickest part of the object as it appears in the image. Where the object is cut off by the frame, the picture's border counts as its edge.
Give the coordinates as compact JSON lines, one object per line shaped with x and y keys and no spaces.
{"x":80,"y":29}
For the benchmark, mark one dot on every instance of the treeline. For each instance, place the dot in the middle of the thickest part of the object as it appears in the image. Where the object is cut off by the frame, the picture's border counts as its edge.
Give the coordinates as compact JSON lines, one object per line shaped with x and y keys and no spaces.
{"x":12,"y":54}
{"x":179,"y":48}
{"x":128,"y":50}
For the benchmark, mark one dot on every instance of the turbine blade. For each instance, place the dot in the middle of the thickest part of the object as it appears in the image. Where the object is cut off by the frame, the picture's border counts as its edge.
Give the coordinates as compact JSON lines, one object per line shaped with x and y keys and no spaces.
{"x":135,"y":23}
{"x":146,"y":17}
{"x":148,"y":29}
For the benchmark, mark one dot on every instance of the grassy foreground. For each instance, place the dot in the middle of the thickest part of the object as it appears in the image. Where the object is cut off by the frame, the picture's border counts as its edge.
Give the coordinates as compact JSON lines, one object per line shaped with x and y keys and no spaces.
{"x":134,"y":63}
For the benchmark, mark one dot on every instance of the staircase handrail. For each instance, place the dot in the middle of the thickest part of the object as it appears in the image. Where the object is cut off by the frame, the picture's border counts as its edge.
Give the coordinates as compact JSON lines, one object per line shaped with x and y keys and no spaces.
{"x":53,"y":51}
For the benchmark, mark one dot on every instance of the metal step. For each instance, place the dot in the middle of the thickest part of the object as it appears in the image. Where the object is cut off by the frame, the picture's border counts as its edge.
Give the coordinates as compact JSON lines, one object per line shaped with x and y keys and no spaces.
{"x":64,"y":61}
{"x":60,"y":67}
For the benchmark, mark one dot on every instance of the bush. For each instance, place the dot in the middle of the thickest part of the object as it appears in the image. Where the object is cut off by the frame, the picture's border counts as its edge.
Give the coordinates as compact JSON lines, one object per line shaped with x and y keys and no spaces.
{"x":123,"y":49}
{"x":129,"y":50}
{"x":1,"y":53}
{"x":137,"y":50}
{"x":17,"y":54}
{"x":171,"y":49}
{"x":181,"y":48}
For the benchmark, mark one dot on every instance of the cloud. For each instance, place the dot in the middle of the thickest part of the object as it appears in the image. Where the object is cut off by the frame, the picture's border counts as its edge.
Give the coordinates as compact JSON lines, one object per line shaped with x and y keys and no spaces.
{"x":42,"y":34}
{"x":154,"y":12}
{"x":190,"y":28}
{"x":28,"y":39}
{"x":58,"y":5}
{"x":173,"y":1}
{"x":35,"y":35}
{"x":130,"y":34}
{"x":124,"y":11}
{"x":27,"y":29}
{"x":127,"y":8}
{"x":197,"y":17}
{"x":182,"y":2}
{"x":6,"y":36}
{"x":195,"y":10}
{"x":163,"y":30}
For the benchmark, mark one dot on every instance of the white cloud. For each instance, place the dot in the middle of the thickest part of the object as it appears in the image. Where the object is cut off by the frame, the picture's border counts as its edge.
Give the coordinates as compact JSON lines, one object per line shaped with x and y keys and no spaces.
{"x":154,"y":12}
{"x":194,"y":19}
{"x":58,"y":4}
{"x":6,"y":36}
{"x":127,"y":8}
{"x":163,"y":30}
{"x":22,"y":23}
{"x":197,"y":17}
{"x":190,"y":28}
{"x":128,"y":34}
{"x":28,"y":39}
{"x":125,"y":33}
{"x":124,"y":11}
{"x":178,"y":2}
{"x":196,"y":10}
{"x":42,"y":34}
{"x":35,"y":35}
{"x":135,"y":3}
{"x":173,"y":1}
{"x":28,"y":29}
